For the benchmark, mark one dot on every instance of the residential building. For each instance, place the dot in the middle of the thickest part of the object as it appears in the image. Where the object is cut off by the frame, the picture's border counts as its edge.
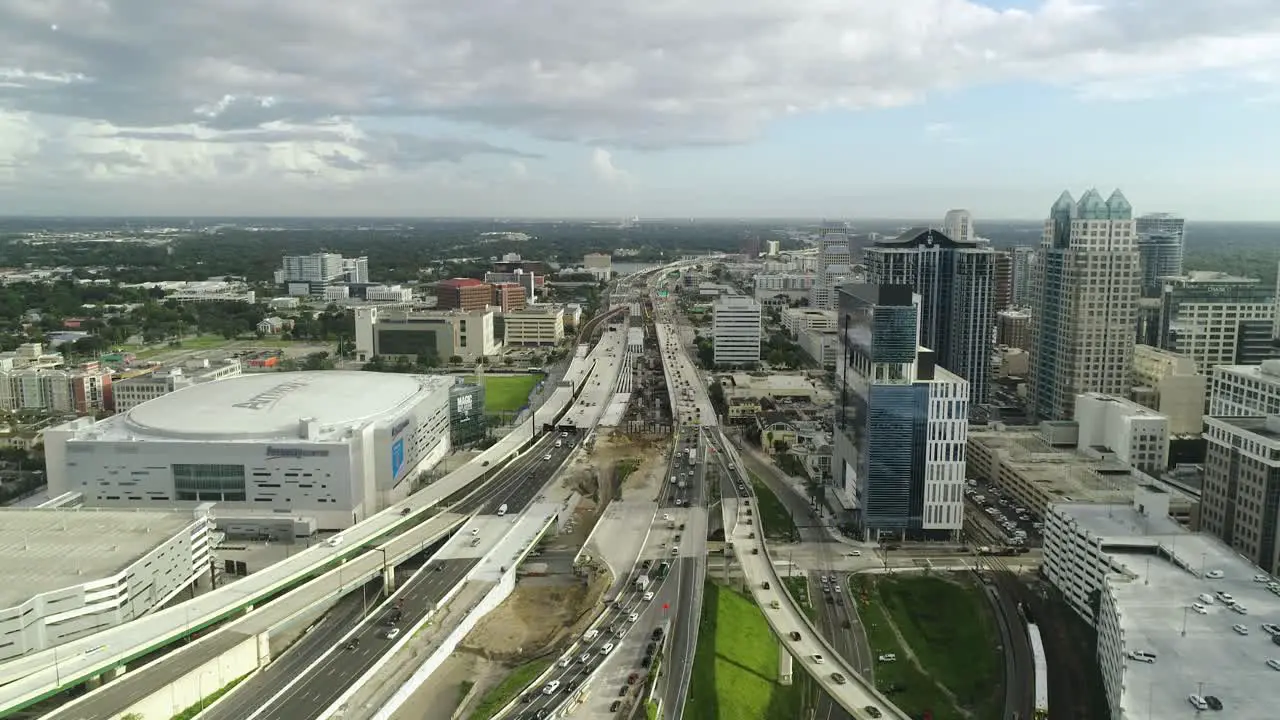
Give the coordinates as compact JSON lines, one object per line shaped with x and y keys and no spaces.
{"x":393,"y":332}
{"x":821,"y":345}
{"x":1013,"y":329}
{"x":1160,"y":243}
{"x":274,"y":325}
{"x":1242,"y":486}
{"x":133,"y":392}
{"x":958,"y":225}
{"x":1217,"y":319}
{"x":1024,"y":265}
{"x":735,"y":330}
{"x":901,"y":421}
{"x":1170,"y":383}
{"x":1138,"y":435}
{"x":1002,"y":286}
{"x":508,"y":297}
{"x":598,"y":264}
{"x":956,"y":285}
{"x":789,"y":287}
{"x":1133,"y":574}
{"x":388,"y":294}
{"x":1084,"y":303}
{"x":466,"y":294}
{"x":85,"y":389}
{"x":797,"y":320}
{"x":535,"y":325}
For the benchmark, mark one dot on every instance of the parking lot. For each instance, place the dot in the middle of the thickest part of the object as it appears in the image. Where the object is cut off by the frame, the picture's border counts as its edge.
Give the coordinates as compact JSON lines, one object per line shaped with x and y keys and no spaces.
{"x":1002,"y":518}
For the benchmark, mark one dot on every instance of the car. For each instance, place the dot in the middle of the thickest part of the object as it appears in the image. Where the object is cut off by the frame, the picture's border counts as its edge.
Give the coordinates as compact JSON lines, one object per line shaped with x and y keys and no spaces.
{"x":1214,"y":574}
{"x":584,"y":658}
{"x":547,"y":456}
{"x":526,"y":698}
{"x":1237,"y":607}
{"x":1273,"y":663}
{"x":353,"y":643}
{"x":817,"y":658}
{"x":888,"y":657}
{"x":647,"y":596}
{"x":765,"y":585}
{"x":845,"y":624}
{"x":620,"y":632}
{"x":1213,"y":702}
{"x":614,"y":707}
{"x":622,"y":691}
{"x":830,"y":600}
{"x":1262,"y":578}
{"x":838,"y":678}
{"x":795,"y":636}
{"x":675,"y":550}
{"x":1271,"y":629}
{"x":872,"y":711}
{"x":1240,"y":629}
{"x":840,"y":601}
{"x":564,"y":662}
{"x":392,"y":633}
{"x":1197,"y":702}
{"x":632,"y":678}
{"x":1225,"y":596}
{"x":1200,"y":609}
{"x":404,"y":511}
{"x":475,"y":532}
{"x":633,"y":617}
{"x":855,"y":553}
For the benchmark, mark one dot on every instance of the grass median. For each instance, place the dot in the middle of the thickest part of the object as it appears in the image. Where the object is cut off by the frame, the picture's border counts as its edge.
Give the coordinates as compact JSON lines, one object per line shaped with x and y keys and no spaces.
{"x":735,"y":666}
{"x":946,"y":623}
{"x":507,"y":690}
{"x":799,"y":589}
{"x":773,"y":516}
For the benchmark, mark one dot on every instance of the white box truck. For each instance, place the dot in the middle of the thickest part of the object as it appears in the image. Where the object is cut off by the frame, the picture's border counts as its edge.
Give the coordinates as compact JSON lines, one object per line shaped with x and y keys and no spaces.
{"x":642,"y":582}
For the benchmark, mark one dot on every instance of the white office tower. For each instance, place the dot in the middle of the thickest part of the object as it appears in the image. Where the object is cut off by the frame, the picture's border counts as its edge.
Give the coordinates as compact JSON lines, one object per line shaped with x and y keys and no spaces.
{"x":1084,"y":303}
{"x":958,"y":225}
{"x":1160,"y":243}
{"x":1139,"y":436}
{"x":834,"y":262}
{"x":314,"y":268}
{"x":356,"y":270}
{"x":736,"y":330}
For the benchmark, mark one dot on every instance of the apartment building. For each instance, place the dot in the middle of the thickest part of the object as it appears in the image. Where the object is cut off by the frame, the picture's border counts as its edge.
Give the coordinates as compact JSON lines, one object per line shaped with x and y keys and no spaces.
{"x":1244,"y":390}
{"x":135,"y":391}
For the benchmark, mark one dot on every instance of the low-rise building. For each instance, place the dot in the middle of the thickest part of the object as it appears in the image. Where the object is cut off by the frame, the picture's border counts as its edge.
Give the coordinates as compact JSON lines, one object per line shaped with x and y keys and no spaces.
{"x":536,"y":325}
{"x":744,"y":391}
{"x":598,"y":264}
{"x":336,"y":293}
{"x":388,"y":294}
{"x":67,"y":574}
{"x":29,"y":356}
{"x":274,"y":325}
{"x":464,"y":294}
{"x":821,"y":345}
{"x":797,"y":320}
{"x":387,"y":331}
{"x":131,"y":393}
{"x":1137,"y":435}
{"x":1171,"y":608}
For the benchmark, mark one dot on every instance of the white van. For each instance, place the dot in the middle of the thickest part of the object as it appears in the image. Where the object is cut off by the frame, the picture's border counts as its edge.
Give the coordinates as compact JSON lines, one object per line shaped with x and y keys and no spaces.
{"x":1143,"y":656}
{"x":606,"y":648}
{"x":590,"y":635}
{"x":334,"y":541}
{"x":502,"y":509}
{"x":559,"y":443}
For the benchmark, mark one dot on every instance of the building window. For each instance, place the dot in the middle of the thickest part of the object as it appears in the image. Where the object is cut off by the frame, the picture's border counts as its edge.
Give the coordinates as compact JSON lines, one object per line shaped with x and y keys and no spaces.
{"x":209,"y":483}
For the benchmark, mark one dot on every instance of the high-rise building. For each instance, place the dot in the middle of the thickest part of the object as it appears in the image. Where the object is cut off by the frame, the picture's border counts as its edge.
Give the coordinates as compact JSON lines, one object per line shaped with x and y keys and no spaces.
{"x":508,"y":297}
{"x":735,"y":328}
{"x":465,"y":294}
{"x":1013,"y":328}
{"x":1217,"y":319}
{"x":901,"y":420}
{"x":1002,"y":289}
{"x":834,"y":265}
{"x":1240,"y":390}
{"x":956,"y":284}
{"x":313,"y":268}
{"x":1084,"y":303}
{"x":1160,"y":242}
{"x":958,"y":225}
{"x":1023,"y":268}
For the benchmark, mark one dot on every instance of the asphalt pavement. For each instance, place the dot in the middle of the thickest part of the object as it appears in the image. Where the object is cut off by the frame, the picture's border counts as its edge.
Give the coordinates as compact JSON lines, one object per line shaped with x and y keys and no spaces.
{"x":690,"y":572}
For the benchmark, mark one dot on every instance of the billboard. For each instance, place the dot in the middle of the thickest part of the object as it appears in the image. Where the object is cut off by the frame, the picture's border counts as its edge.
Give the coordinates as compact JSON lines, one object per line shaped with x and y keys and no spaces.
{"x":397,"y":457}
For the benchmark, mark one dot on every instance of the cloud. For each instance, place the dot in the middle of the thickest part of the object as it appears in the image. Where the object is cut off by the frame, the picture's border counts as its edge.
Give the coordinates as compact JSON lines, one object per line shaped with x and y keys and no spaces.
{"x":605,"y":171}
{"x":309,"y":86}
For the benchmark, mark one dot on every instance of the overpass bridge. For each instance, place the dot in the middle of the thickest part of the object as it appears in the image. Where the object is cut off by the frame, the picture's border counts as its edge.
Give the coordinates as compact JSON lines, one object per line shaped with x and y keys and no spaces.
{"x":853,"y":693}
{"x":415,"y":522}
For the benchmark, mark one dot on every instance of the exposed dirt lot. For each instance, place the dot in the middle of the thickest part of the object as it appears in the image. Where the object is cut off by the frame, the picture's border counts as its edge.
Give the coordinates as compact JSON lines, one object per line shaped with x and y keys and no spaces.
{"x":535,"y":619}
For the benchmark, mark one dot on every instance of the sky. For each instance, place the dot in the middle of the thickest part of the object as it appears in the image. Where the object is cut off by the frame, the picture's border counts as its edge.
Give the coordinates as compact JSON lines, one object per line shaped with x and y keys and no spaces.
{"x":649,"y":108}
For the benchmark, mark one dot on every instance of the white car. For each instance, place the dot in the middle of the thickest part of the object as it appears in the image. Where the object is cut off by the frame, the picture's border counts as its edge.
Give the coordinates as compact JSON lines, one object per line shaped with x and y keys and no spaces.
{"x":633,"y":617}
{"x":855,"y":553}
{"x":1198,"y":702}
{"x":1239,"y":608}
{"x":584,"y":658}
{"x":647,"y":596}
{"x":547,"y":456}
{"x":475,"y":532}
{"x":1240,"y":629}
{"x":1199,"y":609}
{"x":1262,"y":578}
{"x":1213,"y":574}
{"x":564,"y":662}
{"x":888,"y":657}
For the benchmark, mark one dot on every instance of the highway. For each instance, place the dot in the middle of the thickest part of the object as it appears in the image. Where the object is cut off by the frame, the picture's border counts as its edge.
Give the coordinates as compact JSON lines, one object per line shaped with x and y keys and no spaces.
{"x":689,"y":573}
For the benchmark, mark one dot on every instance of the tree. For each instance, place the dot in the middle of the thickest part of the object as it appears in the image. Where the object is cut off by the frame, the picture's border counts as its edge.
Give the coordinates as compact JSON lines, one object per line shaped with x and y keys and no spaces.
{"x":455,"y":359}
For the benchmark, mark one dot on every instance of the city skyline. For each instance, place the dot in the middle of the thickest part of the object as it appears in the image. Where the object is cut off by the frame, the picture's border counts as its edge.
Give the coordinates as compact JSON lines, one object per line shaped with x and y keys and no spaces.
{"x":767,"y":109}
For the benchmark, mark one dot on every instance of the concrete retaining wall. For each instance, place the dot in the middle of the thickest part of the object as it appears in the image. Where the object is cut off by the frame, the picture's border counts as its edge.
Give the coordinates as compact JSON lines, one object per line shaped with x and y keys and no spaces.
{"x":200,"y":683}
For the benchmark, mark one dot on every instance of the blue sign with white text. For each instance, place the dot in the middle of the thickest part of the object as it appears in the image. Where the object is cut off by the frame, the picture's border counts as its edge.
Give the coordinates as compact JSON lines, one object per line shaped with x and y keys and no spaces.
{"x":397,"y":457}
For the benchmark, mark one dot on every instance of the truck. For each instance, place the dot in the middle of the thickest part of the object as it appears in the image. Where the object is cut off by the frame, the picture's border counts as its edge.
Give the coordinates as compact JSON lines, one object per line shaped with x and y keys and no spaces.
{"x":693,"y":456}
{"x":642,"y":583}
{"x":502,"y":509}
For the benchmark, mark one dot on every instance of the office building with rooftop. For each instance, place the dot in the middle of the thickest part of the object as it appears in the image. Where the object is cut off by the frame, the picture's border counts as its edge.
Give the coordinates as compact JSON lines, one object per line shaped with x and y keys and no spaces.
{"x":1171,"y":384}
{"x":1084,"y":303}
{"x":735,"y":330}
{"x":1243,"y":390}
{"x":1217,"y":319}
{"x":835,"y":265}
{"x":1241,"y":491}
{"x":901,"y":420}
{"x":1152,"y":589}
{"x":956,"y":284}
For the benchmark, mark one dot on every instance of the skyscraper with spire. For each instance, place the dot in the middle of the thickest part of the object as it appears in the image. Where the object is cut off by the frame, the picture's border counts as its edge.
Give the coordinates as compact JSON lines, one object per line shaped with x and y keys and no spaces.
{"x":1084,"y":303}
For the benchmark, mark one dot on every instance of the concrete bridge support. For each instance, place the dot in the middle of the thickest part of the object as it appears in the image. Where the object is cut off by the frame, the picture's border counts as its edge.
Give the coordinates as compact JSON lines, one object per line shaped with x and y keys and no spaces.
{"x":388,"y":579}
{"x":785,"y":665}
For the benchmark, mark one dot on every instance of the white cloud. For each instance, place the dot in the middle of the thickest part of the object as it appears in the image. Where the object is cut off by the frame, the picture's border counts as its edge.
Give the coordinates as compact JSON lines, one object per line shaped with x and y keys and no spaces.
{"x":604,"y":170}
{"x":290,"y":88}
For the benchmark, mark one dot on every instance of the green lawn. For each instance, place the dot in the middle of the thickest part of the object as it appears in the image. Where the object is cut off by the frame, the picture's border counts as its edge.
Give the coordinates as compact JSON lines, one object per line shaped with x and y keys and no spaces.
{"x":506,"y":393}
{"x":949,"y":627}
{"x":778,"y":523}
{"x":507,"y":690}
{"x":735,"y":666}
